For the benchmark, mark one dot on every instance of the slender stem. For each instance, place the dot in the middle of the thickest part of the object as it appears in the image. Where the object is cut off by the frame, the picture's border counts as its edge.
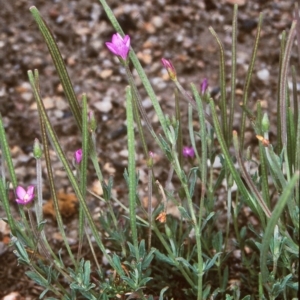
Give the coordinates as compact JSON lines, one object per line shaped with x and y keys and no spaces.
{"x":59,"y":64}
{"x":131,"y":170}
{"x":247,"y":178}
{"x":139,"y":125}
{"x":248,"y":79}
{"x":279,"y":134}
{"x":5,"y":202}
{"x":69,"y":172}
{"x":50,"y":173}
{"x":138,"y":98}
{"x":283,"y":81}
{"x":39,"y":186}
{"x":138,"y":68}
{"x":233,"y":72}
{"x":178,"y":119}
{"x":7,"y":156}
{"x":138,"y":101}
{"x":37,"y":236}
{"x":229,"y":199}
{"x":92,"y":248}
{"x":194,"y":221}
{"x":223,"y":86}
{"x":149,"y":207}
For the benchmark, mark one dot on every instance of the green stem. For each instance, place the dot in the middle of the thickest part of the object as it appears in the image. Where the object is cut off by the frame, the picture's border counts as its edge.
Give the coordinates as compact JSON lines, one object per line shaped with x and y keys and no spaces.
{"x":223,"y":87}
{"x":131,"y":170}
{"x":138,"y":67}
{"x":34,"y":85}
{"x":233,"y":72}
{"x":7,"y":156}
{"x":283,"y":81}
{"x":248,"y":80}
{"x":69,"y":172}
{"x":194,"y":221}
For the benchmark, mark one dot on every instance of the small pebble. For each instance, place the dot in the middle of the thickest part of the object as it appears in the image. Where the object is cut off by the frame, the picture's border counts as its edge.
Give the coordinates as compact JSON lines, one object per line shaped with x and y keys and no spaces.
{"x":263,"y":75}
{"x":103,"y":106}
{"x":158,"y":21}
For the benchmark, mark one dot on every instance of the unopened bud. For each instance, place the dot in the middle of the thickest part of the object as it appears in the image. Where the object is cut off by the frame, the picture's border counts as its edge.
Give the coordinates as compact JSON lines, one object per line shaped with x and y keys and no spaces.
{"x":170,"y":68}
{"x":92,"y":121}
{"x":150,"y":160}
{"x":265,"y":123}
{"x":37,"y":149}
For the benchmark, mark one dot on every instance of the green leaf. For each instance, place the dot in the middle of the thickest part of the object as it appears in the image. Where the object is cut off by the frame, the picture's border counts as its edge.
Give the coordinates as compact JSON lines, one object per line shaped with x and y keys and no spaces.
{"x":59,"y":64}
{"x":164,"y":258}
{"x":284,"y":198}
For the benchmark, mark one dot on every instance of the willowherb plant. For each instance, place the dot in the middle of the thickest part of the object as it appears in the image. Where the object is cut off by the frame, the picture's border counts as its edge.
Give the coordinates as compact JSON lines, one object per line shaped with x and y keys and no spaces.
{"x":185,"y":257}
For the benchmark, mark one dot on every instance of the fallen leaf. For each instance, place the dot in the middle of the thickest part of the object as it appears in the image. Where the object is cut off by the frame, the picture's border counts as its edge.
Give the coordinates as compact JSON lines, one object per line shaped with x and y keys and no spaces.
{"x":67,"y":204}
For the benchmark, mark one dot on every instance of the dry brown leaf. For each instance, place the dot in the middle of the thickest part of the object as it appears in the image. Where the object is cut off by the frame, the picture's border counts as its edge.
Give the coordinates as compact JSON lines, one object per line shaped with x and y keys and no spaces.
{"x":67,"y":204}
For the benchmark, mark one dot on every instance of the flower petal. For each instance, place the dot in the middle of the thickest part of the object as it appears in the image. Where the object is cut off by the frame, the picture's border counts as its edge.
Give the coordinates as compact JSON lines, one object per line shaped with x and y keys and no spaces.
{"x":20,"y":191}
{"x":112,"y":48}
{"x":127,"y":41}
{"x":19,"y":201}
{"x":30,"y":191}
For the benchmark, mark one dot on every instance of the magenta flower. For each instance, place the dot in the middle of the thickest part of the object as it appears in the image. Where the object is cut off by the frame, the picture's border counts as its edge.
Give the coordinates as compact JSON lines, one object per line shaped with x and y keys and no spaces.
{"x":24,"y":197}
{"x":170,"y":68}
{"x":119,"y":46}
{"x":188,"y":152}
{"x":78,"y":156}
{"x":204,"y":86}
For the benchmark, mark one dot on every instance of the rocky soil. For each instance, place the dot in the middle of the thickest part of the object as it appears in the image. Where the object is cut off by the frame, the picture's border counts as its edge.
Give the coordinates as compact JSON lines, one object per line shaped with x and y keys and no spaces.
{"x":173,"y":29}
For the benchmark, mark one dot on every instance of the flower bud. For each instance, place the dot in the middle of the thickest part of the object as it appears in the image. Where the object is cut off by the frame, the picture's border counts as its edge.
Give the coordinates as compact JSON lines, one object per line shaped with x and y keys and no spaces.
{"x":188,"y":152}
{"x":92,"y":121}
{"x":78,"y":156}
{"x":170,"y":68}
{"x":37,"y":149}
{"x":204,"y":86}
{"x":150,"y":160}
{"x":265,"y":123}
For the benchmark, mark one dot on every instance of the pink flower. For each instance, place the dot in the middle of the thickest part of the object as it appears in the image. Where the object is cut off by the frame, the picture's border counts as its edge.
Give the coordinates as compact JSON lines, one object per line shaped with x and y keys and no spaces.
{"x":170,"y":68}
{"x":78,"y":156}
{"x":119,"y":46}
{"x":24,"y":197}
{"x":188,"y":152}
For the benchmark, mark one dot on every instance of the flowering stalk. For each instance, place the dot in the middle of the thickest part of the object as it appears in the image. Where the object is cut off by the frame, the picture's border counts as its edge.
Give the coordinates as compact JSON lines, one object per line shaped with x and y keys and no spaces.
{"x":37,"y":153}
{"x":172,"y":73}
{"x":131,"y":170}
{"x":149,"y":166}
{"x":65,"y":81}
{"x":120,"y":47}
{"x":190,"y":203}
{"x":33,"y":80}
{"x":178,"y":119}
